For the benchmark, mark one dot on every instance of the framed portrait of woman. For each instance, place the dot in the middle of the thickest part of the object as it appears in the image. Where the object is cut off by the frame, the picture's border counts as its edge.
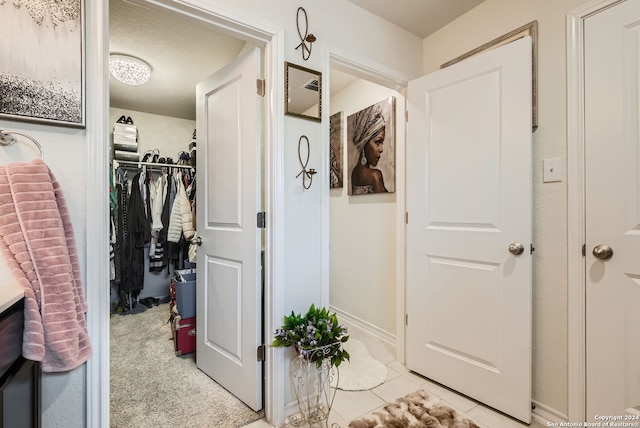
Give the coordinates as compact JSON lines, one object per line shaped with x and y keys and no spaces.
{"x":371,"y":144}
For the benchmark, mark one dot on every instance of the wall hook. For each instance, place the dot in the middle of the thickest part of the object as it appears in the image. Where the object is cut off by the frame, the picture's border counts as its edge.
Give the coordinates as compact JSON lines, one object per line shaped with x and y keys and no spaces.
{"x":307,"y":38}
{"x":306,"y":173}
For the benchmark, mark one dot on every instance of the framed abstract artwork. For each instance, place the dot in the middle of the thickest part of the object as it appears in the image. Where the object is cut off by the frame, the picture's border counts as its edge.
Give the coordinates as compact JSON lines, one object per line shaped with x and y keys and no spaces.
{"x":42,"y":62}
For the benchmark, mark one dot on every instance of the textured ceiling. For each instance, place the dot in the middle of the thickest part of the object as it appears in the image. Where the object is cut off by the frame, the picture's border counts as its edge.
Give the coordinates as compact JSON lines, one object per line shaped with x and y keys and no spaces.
{"x":183,"y":52}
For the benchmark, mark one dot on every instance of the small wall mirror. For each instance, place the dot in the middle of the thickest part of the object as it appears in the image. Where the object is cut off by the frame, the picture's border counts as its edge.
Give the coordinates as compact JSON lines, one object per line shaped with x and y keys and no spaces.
{"x":303,"y":94}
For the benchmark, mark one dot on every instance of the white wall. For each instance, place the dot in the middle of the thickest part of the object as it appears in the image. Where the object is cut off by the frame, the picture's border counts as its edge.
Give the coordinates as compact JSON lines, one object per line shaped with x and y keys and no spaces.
{"x":363,"y":231}
{"x":65,"y":154}
{"x":339,"y":27}
{"x":170,"y":135}
{"x":484,"y":23}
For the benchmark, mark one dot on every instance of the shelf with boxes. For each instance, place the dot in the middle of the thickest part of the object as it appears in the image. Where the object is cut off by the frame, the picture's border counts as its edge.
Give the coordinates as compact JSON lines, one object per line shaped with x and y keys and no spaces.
{"x":125,"y":140}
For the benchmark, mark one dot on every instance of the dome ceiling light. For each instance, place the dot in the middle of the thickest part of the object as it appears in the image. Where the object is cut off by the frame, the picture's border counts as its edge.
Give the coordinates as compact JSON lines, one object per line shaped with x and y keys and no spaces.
{"x":129,"y":70}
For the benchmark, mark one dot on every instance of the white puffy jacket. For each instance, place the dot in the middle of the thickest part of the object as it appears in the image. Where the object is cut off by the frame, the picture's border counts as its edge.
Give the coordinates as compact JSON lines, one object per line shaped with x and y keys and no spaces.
{"x":180,"y":221}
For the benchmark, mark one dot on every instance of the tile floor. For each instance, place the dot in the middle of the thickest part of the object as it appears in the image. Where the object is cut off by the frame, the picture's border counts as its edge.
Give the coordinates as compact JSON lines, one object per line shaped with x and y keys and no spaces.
{"x":350,"y":405}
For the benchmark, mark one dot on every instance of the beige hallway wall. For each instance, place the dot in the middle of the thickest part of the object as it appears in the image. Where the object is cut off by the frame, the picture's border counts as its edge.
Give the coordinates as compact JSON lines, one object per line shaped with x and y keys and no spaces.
{"x":363,"y":231}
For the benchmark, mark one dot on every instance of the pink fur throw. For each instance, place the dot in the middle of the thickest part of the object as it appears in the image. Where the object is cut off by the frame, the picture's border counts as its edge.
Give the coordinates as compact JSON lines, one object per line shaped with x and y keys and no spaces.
{"x":39,"y":248}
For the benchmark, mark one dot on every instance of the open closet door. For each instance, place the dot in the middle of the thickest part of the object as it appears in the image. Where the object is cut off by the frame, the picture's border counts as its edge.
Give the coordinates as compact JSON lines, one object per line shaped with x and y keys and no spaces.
{"x":229,"y":285}
{"x":469,"y":216}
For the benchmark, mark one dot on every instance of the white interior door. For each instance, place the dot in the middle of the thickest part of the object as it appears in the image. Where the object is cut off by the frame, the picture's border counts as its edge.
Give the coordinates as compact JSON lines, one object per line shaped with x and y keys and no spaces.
{"x":229,"y":303}
{"x":469,"y":199}
{"x":612,"y":151}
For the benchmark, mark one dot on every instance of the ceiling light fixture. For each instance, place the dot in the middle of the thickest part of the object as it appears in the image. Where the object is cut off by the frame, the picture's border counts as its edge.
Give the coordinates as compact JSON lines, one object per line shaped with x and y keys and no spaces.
{"x":129,"y":70}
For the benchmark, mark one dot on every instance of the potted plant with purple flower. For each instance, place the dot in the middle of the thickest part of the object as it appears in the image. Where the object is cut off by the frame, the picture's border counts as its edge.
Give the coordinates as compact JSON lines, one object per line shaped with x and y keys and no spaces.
{"x":317,"y":338}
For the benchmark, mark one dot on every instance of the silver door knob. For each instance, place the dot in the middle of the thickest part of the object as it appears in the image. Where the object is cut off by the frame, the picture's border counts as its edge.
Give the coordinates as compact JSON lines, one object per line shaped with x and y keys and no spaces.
{"x":603,"y":252}
{"x":197,"y":241}
{"x":516,"y":248}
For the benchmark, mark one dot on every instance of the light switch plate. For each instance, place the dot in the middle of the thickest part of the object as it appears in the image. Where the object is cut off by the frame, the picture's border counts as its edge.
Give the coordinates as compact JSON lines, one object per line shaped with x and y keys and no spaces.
{"x":552,"y":170}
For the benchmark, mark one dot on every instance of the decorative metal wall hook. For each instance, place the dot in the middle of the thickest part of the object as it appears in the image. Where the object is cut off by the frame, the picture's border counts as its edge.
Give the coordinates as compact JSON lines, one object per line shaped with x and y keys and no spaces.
{"x":307,"y":38}
{"x":306,"y":173}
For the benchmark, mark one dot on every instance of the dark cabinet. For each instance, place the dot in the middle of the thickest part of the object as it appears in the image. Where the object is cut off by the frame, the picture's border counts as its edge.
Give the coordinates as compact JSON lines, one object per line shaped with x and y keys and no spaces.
{"x":20,"y":379}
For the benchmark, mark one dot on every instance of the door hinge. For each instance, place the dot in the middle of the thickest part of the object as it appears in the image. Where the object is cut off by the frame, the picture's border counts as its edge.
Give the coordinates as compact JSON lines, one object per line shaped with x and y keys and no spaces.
{"x":532,"y":249}
{"x":261,"y":221}
{"x":406,"y":115}
{"x":260,"y":87}
{"x":406,"y":218}
{"x":406,"y":319}
{"x":260,"y":353}
{"x":584,"y":250}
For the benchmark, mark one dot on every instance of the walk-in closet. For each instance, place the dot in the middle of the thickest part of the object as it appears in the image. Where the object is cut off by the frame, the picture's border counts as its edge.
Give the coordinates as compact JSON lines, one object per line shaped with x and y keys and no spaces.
{"x":153,"y":144}
{"x":152,"y":202}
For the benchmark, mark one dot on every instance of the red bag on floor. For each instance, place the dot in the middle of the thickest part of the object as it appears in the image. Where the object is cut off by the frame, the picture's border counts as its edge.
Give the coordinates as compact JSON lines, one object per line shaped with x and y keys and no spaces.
{"x":184,"y":335}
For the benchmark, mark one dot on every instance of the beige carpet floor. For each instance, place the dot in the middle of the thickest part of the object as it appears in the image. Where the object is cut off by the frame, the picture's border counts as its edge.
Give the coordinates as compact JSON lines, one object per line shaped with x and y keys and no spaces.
{"x":152,"y":387}
{"x":415,"y":410}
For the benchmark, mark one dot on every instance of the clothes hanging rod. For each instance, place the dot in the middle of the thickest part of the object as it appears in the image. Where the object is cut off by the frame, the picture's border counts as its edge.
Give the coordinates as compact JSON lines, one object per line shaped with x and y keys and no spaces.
{"x":8,"y":138}
{"x":156,"y":164}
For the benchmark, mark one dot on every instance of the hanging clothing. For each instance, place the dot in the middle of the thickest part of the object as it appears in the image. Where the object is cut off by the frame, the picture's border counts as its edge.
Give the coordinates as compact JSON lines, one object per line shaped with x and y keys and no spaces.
{"x":158,"y":192}
{"x":120,"y":223}
{"x":142,"y":220}
{"x":138,"y":235}
{"x":39,"y":247}
{"x":191,"y":193}
{"x":181,"y":220}
{"x":112,"y":248}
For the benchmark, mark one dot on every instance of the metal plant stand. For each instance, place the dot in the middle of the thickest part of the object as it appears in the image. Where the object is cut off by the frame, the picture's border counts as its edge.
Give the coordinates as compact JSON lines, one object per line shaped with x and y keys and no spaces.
{"x":312,"y":376}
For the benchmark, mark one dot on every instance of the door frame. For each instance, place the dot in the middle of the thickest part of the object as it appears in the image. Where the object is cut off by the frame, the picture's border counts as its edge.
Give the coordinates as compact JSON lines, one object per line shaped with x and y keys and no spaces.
{"x":392,"y":79}
{"x":271,"y":40}
{"x":576,"y":187}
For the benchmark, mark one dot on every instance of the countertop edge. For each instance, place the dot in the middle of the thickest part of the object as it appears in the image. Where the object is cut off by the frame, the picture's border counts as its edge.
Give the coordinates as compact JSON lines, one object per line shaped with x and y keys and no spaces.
{"x":10,"y":293}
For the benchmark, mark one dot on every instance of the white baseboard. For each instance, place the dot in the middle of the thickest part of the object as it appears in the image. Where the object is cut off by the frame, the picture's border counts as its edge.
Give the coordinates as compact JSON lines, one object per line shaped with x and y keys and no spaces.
{"x":291,"y":409}
{"x":546,"y":415}
{"x":369,"y":328}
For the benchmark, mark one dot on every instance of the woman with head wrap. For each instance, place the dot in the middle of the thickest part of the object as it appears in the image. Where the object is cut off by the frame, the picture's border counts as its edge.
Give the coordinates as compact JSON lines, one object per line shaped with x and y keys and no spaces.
{"x":368,"y":137}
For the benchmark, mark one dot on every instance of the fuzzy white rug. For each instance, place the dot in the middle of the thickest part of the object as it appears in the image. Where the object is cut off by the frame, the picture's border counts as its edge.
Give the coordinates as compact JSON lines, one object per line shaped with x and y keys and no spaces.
{"x":415,"y":410}
{"x":362,"y":371}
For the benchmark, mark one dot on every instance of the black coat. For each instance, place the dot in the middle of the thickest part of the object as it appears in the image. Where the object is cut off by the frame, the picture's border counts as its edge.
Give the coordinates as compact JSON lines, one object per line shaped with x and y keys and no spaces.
{"x":139,"y":234}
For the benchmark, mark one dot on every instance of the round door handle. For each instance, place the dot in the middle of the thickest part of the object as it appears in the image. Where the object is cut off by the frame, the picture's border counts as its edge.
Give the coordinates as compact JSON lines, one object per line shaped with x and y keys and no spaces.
{"x":197,"y":241}
{"x":516,"y":248}
{"x":603,"y":252}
